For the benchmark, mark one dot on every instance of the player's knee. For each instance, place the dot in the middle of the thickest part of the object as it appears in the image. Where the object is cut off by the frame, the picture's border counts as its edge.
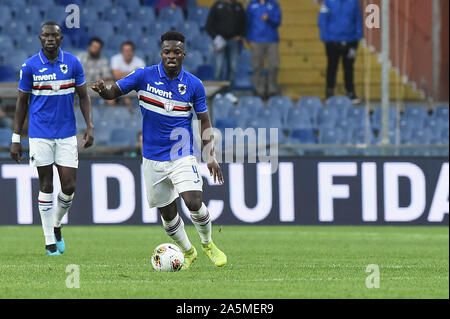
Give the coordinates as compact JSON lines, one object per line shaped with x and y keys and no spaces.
{"x":46,"y":187}
{"x":68,"y":188}
{"x":193,"y":203}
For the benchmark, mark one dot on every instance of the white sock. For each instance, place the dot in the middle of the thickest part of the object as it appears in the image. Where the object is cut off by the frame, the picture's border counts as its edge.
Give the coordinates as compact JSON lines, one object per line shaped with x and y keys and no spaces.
{"x":45,"y":201}
{"x":202,"y":221}
{"x":175,"y":229}
{"x":62,"y":206}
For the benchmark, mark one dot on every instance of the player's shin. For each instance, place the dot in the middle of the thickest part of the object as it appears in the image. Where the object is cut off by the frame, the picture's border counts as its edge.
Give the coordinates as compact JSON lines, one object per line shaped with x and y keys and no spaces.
{"x":63,"y":204}
{"x":175,"y":229}
{"x":46,"y":211}
{"x":202,"y":222}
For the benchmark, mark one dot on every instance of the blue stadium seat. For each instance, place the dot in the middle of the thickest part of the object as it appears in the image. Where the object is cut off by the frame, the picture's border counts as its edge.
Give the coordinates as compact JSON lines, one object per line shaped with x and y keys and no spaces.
{"x":54,"y":13}
{"x":115,"y":14}
{"x":16,"y":29}
{"x":144,"y":14}
{"x":313,"y":104}
{"x":67,"y":2}
{"x":5,"y":136}
{"x":129,"y":5}
{"x":242,"y":81}
{"x":340,"y":100}
{"x":221,"y":107}
{"x":89,"y":16}
{"x":327,"y":117}
{"x":331,"y":136}
{"x":357,"y":115}
{"x":199,"y":14}
{"x":175,"y":16}
{"x":298,"y":118}
{"x":304,"y":136}
{"x":114,"y":41}
{"x":45,"y":3}
{"x":16,"y":60}
{"x":101,"y":29}
{"x":192,"y":61}
{"x":341,"y":110}
{"x":245,"y":60}
{"x":416,"y":115}
{"x":6,"y":42}
{"x":360,"y":135}
{"x":7,"y":74}
{"x":202,"y":43}
{"x":30,"y":44}
{"x":13,"y":3}
{"x":122,"y":137}
{"x":376,"y":118}
{"x":148,"y":44}
{"x":191,"y":3}
{"x":240,"y":116}
{"x":445,"y":137}
{"x":100,"y":4}
{"x":441,"y":112}
{"x":151,"y":3}
{"x":251,"y":103}
{"x":190,"y":29}
{"x":205,"y":72}
{"x":223,"y":123}
{"x":158,"y":28}
{"x":134,"y":31}
{"x":271,"y":115}
{"x":282,"y":104}
{"x":5,"y":15}
{"x":421,"y":136}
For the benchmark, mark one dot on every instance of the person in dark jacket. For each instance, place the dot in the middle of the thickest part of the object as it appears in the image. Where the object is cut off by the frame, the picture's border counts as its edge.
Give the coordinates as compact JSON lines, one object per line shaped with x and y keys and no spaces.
{"x":263,"y":19}
{"x":340,"y":24}
{"x":226,"y":26}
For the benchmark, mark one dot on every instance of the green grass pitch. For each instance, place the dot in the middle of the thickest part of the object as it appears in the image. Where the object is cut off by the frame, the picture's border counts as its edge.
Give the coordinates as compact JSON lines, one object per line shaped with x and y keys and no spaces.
{"x":263,"y":262}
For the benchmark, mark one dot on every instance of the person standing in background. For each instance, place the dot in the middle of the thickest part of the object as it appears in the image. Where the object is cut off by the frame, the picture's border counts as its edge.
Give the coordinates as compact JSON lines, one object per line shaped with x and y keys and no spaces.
{"x":171,"y":3}
{"x":226,"y":26}
{"x":263,"y":20}
{"x":340,"y":24}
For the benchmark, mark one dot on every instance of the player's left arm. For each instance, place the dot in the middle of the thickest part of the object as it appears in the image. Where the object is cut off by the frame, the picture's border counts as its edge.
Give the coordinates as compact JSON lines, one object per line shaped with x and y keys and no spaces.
{"x":86,"y":109}
{"x":207,"y":135}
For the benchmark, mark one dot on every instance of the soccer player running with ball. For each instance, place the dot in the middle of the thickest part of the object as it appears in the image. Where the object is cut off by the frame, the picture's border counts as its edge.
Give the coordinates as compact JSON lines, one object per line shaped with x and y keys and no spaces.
{"x":168,"y":96}
{"x":48,"y":81}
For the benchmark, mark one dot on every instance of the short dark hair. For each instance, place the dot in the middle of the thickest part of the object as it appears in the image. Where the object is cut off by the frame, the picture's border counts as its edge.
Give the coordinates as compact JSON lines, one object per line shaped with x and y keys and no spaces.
{"x":127,"y":43}
{"x":173,"y":36}
{"x":50,"y":23}
{"x":96,"y":39}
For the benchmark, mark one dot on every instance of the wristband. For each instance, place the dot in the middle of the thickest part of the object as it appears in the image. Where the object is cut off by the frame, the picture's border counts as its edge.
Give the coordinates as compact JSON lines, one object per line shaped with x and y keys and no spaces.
{"x":15,"y":138}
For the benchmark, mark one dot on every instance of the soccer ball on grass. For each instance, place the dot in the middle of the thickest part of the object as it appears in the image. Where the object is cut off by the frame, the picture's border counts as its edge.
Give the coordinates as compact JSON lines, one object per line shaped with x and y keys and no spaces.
{"x":167,"y":257}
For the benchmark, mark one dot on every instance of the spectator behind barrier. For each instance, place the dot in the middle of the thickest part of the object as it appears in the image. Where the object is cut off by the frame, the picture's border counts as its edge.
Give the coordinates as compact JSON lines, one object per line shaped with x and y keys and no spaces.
{"x":263,"y":20}
{"x":124,"y":63}
{"x":171,"y":3}
{"x":340,"y":24}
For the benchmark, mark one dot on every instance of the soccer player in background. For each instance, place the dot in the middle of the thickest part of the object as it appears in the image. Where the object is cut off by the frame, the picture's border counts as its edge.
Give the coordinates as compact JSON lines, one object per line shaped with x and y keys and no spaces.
{"x":48,"y":81}
{"x":168,"y":96}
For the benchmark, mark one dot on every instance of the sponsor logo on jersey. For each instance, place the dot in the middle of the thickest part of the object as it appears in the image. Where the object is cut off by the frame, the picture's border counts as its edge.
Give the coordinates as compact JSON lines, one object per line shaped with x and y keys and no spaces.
{"x":45,"y":77}
{"x":165,"y":94}
{"x":159,"y":83}
{"x":43,"y":69}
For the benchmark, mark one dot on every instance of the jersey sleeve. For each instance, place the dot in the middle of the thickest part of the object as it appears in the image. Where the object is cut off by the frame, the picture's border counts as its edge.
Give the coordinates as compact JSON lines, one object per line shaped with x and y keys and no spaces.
{"x":200,"y":98}
{"x":25,"y":78}
{"x":78,"y":73}
{"x":131,"y":81}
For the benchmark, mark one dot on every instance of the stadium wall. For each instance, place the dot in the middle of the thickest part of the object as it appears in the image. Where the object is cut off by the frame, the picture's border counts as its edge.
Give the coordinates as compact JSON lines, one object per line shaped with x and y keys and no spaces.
{"x":303,"y":191}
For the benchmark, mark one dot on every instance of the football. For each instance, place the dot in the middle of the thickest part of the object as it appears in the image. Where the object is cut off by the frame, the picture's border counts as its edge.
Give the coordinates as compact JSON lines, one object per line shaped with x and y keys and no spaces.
{"x":167,"y":257}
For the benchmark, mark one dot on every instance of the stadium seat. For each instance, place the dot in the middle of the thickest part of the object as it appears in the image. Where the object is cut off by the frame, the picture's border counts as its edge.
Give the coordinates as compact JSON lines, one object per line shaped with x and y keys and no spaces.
{"x":30,"y":44}
{"x":340,"y":100}
{"x":416,"y":114}
{"x":376,"y":118}
{"x":114,"y":42}
{"x":205,"y":72}
{"x":326,"y":117}
{"x":100,"y":4}
{"x":298,"y":118}
{"x":17,"y":59}
{"x":122,"y":137}
{"x":223,"y":123}
{"x":251,"y":103}
{"x":198,"y":14}
{"x":331,"y":136}
{"x":54,"y":13}
{"x":143,"y":14}
{"x":313,"y":104}
{"x":192,"y":61}
{"x":271,"y":115}
{"x":360,"y":135}
{"x":114,"y":14}
{"x":221,"y":107}
{"x":7,"y":74}
{"x":5,"y":15}
{"x":282,"y":104}
{"x":46,"y":3}
{"x":89,"y":15}
{"x":16,"y":29}
{"x":158,"y":28}
{"x":304,"y":136}
{"x":357,"y":116}
{"x":245,"y":61}
{"x":6,"y":42}
{"x":151,"y":3}
{"x":175,"y":16}
{"x":240,"y":116}
{"x":441,"y":112}
{"x":101,"y":29}
{"x":67,"y":2}
{"x":5,"y":136}
{"x":190,"y":29}
{"x":129,"y":5}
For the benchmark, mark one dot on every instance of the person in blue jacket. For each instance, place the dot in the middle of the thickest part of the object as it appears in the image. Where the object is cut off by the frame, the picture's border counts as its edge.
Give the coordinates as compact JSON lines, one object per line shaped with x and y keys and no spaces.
{"x":263,"y":20}
{"x":340,"y":24}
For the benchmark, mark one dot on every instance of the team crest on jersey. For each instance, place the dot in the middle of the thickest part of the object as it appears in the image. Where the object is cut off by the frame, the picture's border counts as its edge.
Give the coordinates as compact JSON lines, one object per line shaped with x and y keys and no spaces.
{"x":64,"y":68}
{"x":182,"y":88}
{"x":168,"y":106}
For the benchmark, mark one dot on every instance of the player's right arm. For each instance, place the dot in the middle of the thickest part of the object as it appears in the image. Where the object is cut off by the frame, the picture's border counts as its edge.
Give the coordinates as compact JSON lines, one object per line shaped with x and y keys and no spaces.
{"x":106,"y":93}
{"x":19,"y":119}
